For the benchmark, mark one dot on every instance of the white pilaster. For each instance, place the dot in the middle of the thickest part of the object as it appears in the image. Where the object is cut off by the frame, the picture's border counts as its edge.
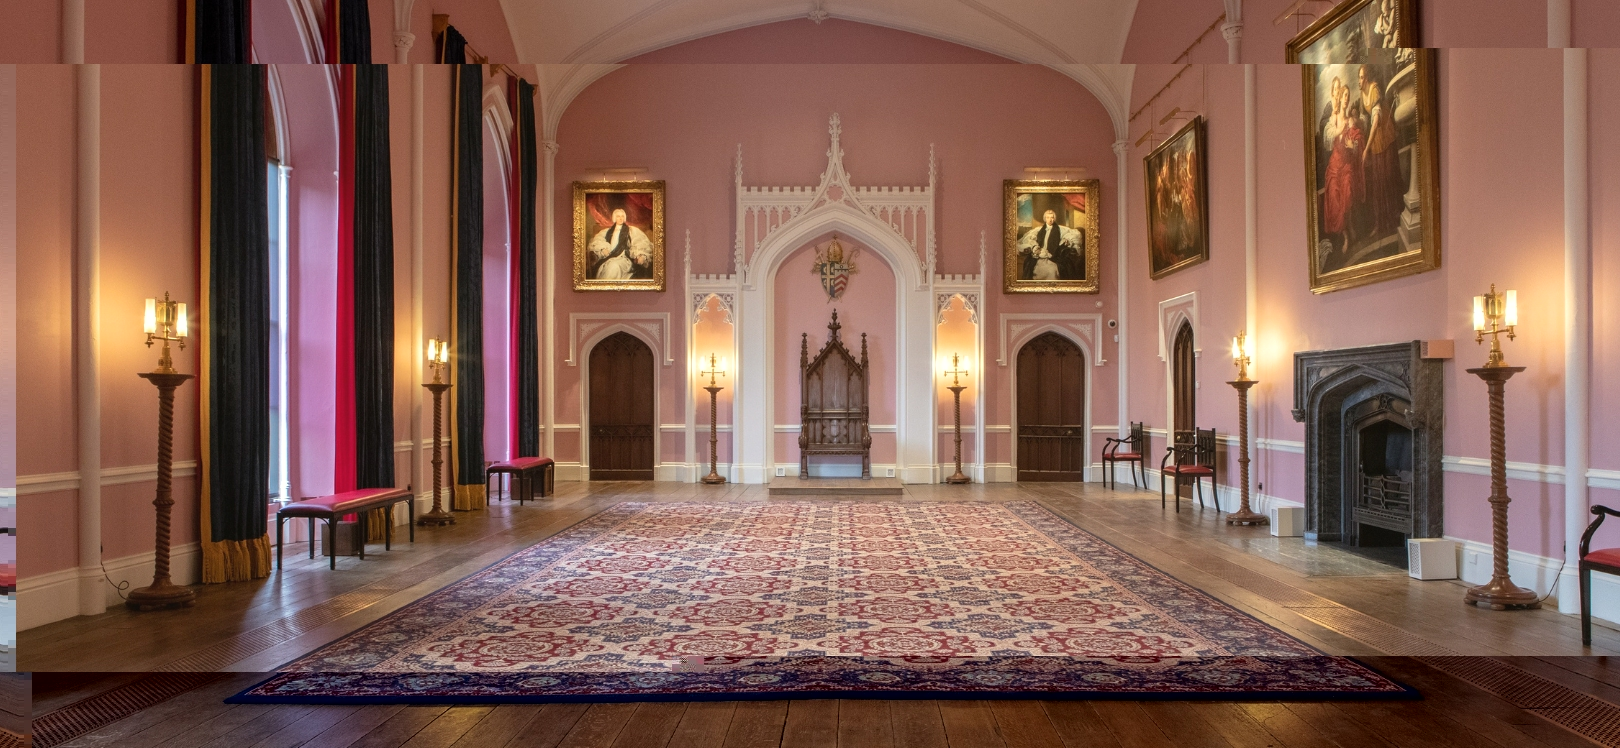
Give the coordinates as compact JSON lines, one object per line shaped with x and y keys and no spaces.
{"x":1559,"y":30}
{"x":548,"y":282}
{"x":1251,"y":232}
{"x":72,"y":32}
{"x":1233,"y":31}
{"x":403,"y":38}
{"x":1577,"y":321}
{"x":419,"y":478}
{"x":87,"y":335}
{"x":1122,"y":312}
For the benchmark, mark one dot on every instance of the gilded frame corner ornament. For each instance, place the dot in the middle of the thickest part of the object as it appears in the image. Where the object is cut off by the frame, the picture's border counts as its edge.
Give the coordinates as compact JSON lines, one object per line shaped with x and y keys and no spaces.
{"x":1010,"y":191}
{"x":1198,"y":131}
{"x":1425,"y":162}
{"x":655,"y":235}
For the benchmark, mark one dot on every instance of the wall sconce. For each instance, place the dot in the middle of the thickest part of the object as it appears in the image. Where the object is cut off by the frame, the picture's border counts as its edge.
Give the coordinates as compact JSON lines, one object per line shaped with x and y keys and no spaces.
{"x":165,"y":321}
{"x":1494,"y":314}
{"x":1242,"y":355}
{"x":438,"y":354}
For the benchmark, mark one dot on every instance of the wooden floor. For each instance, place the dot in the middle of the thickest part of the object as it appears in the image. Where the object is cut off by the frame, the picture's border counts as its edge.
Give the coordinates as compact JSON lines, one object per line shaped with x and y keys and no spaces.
{"x":1338,"y":602}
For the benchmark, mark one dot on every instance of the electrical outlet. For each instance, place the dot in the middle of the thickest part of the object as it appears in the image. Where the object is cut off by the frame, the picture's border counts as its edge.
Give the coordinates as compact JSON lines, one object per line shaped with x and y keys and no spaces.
{"x":890,"y":472}
{"x":781,"y":472}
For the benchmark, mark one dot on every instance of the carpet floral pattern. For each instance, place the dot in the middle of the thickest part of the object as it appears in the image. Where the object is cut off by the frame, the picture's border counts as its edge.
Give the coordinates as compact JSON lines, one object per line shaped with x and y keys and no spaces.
{"x":684,"y":598}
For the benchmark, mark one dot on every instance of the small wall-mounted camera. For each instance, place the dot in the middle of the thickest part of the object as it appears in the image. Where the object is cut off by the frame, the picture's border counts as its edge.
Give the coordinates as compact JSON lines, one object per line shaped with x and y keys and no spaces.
{"x":1113,"y":323}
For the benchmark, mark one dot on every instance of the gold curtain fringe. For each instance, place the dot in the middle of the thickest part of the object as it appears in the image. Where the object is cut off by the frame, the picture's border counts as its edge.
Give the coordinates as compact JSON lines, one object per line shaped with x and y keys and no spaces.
{"x":468,"y":498}
{"x":377,"y":521}
{"x":236,"y":560}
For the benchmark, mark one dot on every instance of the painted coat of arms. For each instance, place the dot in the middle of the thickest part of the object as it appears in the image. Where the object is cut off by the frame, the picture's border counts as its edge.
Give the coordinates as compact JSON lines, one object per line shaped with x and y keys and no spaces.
{"x":834,"y":267}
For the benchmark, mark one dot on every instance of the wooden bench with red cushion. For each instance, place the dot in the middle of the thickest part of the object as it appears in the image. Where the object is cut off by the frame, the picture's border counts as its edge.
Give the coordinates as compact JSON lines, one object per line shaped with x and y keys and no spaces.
{"x":330,"y":508}
{"x":521,"y":473}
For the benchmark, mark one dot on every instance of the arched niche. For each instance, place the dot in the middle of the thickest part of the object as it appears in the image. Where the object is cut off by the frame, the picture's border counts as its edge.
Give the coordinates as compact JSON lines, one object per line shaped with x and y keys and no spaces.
{"x":500,"y":409}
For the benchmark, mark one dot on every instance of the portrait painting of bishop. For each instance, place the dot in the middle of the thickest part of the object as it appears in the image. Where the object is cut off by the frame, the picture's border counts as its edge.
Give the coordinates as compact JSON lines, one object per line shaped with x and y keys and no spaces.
{"x":619,"y":236}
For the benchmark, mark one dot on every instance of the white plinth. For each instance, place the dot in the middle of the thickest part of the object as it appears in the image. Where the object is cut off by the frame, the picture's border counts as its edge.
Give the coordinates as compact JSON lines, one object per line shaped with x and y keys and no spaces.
{"x":1287,"y":521}
{"x":1431,"y":558}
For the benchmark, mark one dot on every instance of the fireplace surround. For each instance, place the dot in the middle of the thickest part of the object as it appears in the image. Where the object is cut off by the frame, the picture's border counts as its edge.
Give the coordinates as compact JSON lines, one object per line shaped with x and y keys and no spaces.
{"x":1374,"y":419}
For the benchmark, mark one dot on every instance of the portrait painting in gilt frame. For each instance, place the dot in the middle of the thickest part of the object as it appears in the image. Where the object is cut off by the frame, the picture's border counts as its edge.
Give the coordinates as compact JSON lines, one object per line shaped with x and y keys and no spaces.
{"x":619,"y":236}
{"x":1051,"y":242}
{"x":1178,"y":201}
{"x":1372,"y":158}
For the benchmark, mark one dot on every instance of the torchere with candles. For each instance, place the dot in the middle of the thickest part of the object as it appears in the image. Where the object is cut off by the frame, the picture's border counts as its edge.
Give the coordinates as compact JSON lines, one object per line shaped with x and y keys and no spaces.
{"x":717,"y":368}
{"x":1242,"y":356}
{"x":165,"y":321}
{"x":1496,"y":314}
{"x":438,"y":354}
{"x":956,"y":371}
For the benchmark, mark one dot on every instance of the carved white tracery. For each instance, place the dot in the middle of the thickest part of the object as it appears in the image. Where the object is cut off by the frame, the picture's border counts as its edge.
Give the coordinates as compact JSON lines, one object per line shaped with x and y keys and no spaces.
{"x":908,"y":211}
{"x":970,"y":302}
{"x":700,"y":303}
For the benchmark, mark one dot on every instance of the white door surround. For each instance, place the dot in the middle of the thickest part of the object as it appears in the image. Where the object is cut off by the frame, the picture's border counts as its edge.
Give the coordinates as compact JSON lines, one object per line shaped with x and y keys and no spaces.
{"x":1017,"y":330}
{"x":893,"y":222}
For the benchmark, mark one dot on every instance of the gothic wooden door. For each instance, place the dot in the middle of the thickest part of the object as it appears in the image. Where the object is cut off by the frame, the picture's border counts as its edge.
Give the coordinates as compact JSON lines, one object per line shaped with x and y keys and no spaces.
{"x":621,"y":411}
{"x":1184,"y":390}
{"x":1051,"y":410}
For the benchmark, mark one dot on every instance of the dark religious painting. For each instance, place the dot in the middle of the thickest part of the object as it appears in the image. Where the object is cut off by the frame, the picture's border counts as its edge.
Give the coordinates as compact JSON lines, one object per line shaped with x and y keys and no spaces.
{"x":1051,"y":242}
{"x":1178,"y":201}
{"x":1371,"y":145}
{"x":619,"y":236}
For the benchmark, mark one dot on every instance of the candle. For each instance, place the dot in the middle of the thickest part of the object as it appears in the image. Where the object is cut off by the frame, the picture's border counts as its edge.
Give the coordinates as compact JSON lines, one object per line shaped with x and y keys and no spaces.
{"x":1479,"y":313}
{"x":1512,"y":308}
{"x":180,"y":320}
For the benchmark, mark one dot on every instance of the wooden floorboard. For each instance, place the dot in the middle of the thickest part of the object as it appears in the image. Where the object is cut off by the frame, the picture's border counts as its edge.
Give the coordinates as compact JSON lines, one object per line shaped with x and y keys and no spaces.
{"x":1350,"y":608}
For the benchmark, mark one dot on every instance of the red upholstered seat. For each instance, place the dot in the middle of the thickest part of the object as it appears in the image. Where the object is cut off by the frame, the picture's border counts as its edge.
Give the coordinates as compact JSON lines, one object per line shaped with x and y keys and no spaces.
{"x":520,"y":463}
{"x":1125,"y":456}
{"x":1189,"y":470}
{"x":1607,"y":557}
{"x":341,"y":503}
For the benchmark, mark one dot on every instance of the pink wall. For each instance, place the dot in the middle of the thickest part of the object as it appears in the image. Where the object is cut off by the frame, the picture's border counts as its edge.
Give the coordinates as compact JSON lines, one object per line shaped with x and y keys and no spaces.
{"x":868,"y":306}
{"x":31,"y":32}
{"x":498,"y":412}
{"x":1482,"y":153}
{"x":122,"y":31}
{"x":148,"y":214}
{"x":1596,"y":23}
{"x":891,"y":113}
{"x":8,"y":277}
{"x":802,"y":41}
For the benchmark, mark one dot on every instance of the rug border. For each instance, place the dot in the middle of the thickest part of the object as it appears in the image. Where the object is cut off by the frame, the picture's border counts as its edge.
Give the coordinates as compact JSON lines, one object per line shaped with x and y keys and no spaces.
{"x":1405,"y":693}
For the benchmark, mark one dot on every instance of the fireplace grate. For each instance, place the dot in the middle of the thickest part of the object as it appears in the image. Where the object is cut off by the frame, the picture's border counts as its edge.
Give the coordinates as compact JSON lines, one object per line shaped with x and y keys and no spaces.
{"x":1385,"y":501}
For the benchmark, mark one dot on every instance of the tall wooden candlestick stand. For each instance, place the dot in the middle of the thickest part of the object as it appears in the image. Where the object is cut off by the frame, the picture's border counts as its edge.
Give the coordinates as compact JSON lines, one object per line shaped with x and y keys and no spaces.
{"x":958,"y":477}
{"x":714,"y":477}
{"x":1500,"y":593}
{"x":438,"y":516}
{"x":163,"y":593}
{"x":1244,"y":515}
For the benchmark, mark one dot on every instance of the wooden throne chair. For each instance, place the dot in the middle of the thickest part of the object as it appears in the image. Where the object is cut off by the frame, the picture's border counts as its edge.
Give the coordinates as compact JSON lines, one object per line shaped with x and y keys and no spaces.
{"x":834,"y":412}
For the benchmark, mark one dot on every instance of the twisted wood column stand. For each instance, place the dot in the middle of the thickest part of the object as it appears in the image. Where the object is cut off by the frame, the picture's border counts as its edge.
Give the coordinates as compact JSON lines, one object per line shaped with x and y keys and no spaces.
{"x":1244,"y":515}
{"x":438,"y":516}
{"x":1500,"y":593}
{"x":163,"y":592}
{"x":956,"y":392}
{"x":714,"y":477}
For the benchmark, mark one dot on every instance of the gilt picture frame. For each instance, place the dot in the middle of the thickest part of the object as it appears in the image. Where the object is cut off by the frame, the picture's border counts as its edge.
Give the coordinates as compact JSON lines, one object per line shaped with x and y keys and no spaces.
{"x":619,"y":236}
{"x":1177,"y":181}
{"x":1057,"y":253}
{"x":1372,"y":158}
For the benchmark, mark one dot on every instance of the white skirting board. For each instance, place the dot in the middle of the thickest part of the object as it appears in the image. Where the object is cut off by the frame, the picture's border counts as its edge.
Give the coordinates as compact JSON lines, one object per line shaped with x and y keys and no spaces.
{"x":1229,"y":498}
{"x":47,"y":598}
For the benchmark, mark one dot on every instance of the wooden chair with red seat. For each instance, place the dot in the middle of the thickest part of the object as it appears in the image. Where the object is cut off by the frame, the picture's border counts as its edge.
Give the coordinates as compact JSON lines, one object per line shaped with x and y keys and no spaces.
{"x":1190,"y":455}
{"x":1606,"y":560}
{"x":1128,"y":450}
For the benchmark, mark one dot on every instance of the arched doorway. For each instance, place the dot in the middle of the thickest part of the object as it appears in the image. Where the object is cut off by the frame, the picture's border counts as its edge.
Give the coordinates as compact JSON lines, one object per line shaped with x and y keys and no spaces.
{"x":1051,"y":410}
{"x":1183,"y":390}
{"x":621,"y":409}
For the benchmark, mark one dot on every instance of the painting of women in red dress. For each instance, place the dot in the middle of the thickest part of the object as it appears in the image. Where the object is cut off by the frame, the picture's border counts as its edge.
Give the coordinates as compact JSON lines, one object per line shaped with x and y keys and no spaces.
{"x":1371,"y":160}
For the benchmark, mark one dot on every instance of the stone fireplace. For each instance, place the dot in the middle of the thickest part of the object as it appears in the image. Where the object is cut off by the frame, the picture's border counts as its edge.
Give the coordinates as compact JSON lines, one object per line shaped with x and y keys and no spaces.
{"x":1374,"y":418}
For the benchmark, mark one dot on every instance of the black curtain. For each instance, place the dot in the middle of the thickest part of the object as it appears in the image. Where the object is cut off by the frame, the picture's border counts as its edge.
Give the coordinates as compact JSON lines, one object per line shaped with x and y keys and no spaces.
{"x":373,"y":281}
{"x":237,"y":324}
{"x":354,"y":31}
{"x":452,"y":47}
{"x":219,"y":31}
{"x":467,"y":349}
{"x":528,"y":349}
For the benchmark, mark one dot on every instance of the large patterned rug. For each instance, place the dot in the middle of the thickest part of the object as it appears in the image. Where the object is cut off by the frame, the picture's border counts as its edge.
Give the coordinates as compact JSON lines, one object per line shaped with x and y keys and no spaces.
{"x":737,"y":600}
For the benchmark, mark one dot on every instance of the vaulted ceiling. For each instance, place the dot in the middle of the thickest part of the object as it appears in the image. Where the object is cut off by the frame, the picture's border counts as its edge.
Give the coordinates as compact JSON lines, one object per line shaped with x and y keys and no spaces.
{"x":576,"y":42}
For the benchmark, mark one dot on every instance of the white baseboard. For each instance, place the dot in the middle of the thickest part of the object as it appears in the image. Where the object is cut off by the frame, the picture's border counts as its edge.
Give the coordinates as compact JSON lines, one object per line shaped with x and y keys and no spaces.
{"x":853,"y":470}
{"x":1228,"y":498}
{"x":997,"y":472}
{"x":1528,"y":570}
{"x":52,"y":597}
